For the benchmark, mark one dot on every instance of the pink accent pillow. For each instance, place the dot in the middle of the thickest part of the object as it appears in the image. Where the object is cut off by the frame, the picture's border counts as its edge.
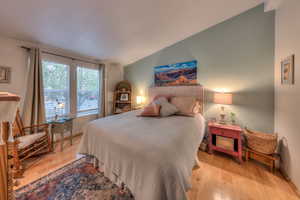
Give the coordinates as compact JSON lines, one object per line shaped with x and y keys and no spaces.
{"x":151,"y":110}
{"x":187,"y":106}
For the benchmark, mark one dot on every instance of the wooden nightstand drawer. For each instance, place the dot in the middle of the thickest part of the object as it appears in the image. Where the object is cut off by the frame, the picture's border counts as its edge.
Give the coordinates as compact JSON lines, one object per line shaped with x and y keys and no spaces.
{"x":225,"y":132}
{"x":216,"y":130}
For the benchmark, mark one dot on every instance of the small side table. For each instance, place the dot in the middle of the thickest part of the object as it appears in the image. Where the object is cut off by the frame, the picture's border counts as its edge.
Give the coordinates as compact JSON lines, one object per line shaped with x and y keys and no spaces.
{"x":60,"y":126}
{"x":231,"y":133}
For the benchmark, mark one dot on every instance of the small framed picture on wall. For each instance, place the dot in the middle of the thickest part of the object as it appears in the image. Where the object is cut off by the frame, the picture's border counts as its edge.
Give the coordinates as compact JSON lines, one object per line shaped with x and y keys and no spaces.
{"x":5,"y":74}
{"x":287,"y":70}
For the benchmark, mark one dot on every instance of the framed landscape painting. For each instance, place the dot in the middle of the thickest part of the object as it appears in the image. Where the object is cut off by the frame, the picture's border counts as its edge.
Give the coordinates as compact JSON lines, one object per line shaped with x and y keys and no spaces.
{"x":184,"y":73}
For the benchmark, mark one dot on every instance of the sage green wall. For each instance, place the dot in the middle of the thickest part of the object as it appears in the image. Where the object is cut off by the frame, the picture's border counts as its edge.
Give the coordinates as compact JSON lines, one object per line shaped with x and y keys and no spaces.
{"x":237,"y":55}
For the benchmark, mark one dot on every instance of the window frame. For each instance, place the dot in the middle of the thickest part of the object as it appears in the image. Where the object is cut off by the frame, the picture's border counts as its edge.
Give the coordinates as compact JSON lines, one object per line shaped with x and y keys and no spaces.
{"x":99,"y":92}
{"x":73,"y":65}
{"x":69,"y":109}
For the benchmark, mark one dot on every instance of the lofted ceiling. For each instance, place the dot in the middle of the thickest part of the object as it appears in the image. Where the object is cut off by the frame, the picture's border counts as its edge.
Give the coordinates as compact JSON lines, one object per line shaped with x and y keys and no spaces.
{"x":119,"y":30}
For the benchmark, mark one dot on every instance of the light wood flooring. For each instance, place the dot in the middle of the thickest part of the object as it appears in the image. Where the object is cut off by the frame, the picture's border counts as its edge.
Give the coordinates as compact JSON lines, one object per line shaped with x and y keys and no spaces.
{"x":218,"y":178}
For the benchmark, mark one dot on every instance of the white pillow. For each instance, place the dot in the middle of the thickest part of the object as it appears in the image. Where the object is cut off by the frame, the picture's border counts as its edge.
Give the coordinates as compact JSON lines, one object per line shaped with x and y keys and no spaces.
{"x":167,"y":108}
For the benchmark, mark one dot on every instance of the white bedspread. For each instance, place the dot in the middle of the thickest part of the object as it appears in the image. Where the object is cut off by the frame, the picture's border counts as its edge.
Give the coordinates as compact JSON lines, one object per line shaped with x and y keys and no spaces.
{"x":154,"y":157}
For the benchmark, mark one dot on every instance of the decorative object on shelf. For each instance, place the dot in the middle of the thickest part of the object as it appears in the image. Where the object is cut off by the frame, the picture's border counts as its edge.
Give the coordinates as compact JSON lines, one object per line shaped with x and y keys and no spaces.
{"x":184,"y":73}
{"x":233,"y":118}
{"x":122,"y":98}
{"x":265,"y":143}
{"x":5,"y":74}
{"x":287,"y":70}
{"x":224,"y":99}
{"x":226,"y":139}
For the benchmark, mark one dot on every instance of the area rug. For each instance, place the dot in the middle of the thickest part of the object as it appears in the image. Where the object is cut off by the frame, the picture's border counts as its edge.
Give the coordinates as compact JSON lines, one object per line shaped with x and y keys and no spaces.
{"x":79,"y":180}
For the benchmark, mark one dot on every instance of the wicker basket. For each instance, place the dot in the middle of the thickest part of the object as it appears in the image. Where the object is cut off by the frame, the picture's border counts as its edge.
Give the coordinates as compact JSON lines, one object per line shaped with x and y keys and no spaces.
{"x":262,"y":142}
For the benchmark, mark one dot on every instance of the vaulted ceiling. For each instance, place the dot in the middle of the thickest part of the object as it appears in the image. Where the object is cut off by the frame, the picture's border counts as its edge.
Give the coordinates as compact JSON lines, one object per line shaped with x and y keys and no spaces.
{"x":120,"y":30}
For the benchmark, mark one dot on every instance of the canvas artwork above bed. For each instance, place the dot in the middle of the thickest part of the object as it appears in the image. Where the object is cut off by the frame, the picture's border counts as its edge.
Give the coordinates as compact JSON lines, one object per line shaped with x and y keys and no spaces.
{"x":184,"y":73}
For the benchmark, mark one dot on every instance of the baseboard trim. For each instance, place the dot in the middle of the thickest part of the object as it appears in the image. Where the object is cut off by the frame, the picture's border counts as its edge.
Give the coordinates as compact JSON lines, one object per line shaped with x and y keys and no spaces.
{"x":290,"y":182}
{"x":294,"y":187}
{"x":69,"y":137}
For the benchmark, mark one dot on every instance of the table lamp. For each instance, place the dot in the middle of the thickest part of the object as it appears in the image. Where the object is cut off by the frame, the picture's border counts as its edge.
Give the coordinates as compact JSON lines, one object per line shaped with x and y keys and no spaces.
{"x":60,"y":107}
{"x":140,"y":100}
{"x":224,"y":99}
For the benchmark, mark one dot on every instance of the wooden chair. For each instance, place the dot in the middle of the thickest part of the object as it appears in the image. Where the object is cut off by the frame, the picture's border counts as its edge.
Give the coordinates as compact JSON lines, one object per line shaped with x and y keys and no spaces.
{"x":29,"y":141}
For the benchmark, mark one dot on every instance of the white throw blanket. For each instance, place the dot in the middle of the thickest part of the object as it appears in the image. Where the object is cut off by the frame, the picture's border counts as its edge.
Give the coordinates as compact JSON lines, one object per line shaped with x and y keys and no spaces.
{"x":154,"y":157}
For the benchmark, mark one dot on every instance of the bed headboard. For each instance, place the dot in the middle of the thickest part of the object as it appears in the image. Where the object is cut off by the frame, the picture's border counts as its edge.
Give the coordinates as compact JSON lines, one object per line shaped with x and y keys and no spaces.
{"x":185,"y":90}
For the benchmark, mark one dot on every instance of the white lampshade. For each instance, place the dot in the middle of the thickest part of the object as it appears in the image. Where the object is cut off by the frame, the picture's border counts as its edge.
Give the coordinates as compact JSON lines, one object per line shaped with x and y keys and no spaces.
{"x":61,"y":105}
{"x":140,"y":100}
{"x":222,"y":98}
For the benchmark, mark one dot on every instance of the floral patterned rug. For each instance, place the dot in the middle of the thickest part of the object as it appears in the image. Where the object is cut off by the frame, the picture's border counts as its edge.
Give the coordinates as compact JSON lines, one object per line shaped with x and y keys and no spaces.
{"x":79,"y":180}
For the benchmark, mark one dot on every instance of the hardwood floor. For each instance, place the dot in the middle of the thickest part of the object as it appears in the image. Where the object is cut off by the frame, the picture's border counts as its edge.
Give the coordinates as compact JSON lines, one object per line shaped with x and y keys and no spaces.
{"x":218,"y":178}
{"x":43,"y":165}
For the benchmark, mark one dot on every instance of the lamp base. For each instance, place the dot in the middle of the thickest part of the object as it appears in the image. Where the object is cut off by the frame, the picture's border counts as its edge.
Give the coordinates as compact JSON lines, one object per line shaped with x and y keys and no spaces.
{"x":222,"y":119}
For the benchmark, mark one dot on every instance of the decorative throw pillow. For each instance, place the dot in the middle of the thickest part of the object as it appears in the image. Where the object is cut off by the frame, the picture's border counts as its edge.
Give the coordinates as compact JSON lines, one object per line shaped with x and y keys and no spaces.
{"x":197,"y":108}
{"x":167,"y":96}
{"x":151,"y":110}
{"x":167,"y":108}
{"x":187,"y":106}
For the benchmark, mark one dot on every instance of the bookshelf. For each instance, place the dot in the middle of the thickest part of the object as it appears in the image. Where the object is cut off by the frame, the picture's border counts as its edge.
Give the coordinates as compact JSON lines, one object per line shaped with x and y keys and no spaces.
{"x":122,"y":101}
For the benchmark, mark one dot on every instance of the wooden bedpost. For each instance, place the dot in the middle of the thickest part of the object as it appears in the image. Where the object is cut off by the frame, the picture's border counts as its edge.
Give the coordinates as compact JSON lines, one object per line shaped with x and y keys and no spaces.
{"x":3,"y":162}
{"x":8,"y":106}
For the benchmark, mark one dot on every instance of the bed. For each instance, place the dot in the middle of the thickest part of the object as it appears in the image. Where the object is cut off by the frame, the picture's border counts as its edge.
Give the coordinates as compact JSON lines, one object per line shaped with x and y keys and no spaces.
{"x":154,"y":157}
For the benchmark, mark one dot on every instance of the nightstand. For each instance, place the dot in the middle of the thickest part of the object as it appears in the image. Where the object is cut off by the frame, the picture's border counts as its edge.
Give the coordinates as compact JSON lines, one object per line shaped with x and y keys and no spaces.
{"x":226,"y":139}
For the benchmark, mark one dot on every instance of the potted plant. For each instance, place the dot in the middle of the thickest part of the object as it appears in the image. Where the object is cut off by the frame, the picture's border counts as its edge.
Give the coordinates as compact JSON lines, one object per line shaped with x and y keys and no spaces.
{"x":232,"y":117}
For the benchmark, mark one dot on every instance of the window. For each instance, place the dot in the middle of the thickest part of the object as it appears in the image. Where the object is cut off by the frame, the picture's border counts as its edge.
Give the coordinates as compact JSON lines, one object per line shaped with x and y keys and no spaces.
{"x":56,"y":79}
{"x":87,"y":89}
{"x":70,"y":87}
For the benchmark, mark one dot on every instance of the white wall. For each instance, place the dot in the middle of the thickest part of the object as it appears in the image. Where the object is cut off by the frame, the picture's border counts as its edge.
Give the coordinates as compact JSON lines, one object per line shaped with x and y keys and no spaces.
{"x":287,"y":97}
{"x":11,"y":55}
{"x":114,"y":74}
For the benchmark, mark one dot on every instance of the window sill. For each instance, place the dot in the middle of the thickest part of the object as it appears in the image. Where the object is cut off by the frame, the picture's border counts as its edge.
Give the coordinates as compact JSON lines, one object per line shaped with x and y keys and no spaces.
{"x":87,"y":113}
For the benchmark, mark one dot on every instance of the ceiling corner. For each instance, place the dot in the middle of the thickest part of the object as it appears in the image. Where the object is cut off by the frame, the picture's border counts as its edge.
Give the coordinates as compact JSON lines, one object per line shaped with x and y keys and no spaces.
{"x":272,"y":5}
